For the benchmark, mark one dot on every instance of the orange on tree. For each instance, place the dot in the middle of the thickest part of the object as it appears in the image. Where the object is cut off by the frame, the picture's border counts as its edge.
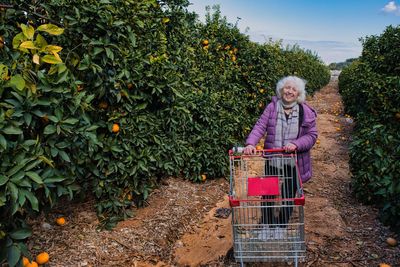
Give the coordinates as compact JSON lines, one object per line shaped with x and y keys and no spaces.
{"x":205,"y":42}
{"x":130,"y":86}
{"x":115,"y":128}
{"x":25,"y":261}
{"x":60,"y":221}
{"x":32,"y":264}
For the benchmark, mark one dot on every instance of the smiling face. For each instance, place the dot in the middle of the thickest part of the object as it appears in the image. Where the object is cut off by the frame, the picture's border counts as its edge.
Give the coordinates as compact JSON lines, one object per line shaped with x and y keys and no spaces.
{"x":290,"y":93}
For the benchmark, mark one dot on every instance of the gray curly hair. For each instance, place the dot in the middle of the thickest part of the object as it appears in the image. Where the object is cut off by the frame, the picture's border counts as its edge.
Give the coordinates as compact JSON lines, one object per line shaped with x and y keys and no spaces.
{"x":299,"y":83}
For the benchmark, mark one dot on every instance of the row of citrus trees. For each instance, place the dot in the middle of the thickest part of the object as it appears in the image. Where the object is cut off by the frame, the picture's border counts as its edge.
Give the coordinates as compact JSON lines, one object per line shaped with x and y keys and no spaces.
{"x":106,"y":98}
{"x":370,"y":88}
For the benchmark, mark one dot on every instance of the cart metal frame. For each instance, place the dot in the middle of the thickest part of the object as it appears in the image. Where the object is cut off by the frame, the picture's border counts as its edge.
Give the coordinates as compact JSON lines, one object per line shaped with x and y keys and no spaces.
{"x":267,"y":202}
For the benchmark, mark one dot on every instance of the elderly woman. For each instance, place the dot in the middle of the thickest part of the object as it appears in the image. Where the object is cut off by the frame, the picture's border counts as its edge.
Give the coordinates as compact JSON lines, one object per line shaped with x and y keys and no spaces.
{"x":288,"y":123}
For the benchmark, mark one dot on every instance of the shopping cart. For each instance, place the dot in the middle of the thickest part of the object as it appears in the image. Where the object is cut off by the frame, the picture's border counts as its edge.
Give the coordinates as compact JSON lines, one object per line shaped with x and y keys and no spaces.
{"x":267,"y":201}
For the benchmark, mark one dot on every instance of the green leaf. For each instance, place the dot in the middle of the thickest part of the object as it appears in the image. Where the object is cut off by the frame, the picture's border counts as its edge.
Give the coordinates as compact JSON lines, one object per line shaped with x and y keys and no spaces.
{"x":28,"y":31}
{"x":40,"y":41}
{"x":28,"y":45}
{"x":3,"y":179}
{"x":51,"y":29}
{"x":3,"y":142}
{"x":70,"y":121}
{"x":13,"y":190}
{"x":17,"y":82}
{"x":35,"y":177}
{"x":13,"y":255}
{"x":28,"y":118}
{"x":51,"y":59}
{"x":64,"y":155}
{"x":18,"y":39}
{"x":47,"y":161}
{"x":12,"y":130}
{"x":33,"y":200}
{"x":52,"y":48}
{"x":54,"y":180}
{"x":50,"y":129}
{"x":21,"y":234}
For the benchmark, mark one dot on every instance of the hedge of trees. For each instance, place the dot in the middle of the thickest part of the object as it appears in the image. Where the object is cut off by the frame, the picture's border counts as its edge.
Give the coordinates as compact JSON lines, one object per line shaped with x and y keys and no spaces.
{"x":370,"y":88}
{"x":107,"y":98}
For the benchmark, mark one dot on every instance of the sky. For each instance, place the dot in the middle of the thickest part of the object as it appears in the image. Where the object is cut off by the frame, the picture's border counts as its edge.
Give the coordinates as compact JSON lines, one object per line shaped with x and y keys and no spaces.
{"x":329,"y":28}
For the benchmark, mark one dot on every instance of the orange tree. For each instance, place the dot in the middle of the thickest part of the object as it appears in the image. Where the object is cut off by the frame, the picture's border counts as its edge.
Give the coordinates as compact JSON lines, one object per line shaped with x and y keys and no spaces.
{"x":370,"y":88}
{"x":42,"y":122}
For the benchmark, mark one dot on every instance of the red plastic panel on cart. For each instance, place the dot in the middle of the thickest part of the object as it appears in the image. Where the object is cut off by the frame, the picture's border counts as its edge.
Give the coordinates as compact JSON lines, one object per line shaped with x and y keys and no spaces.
{"x":263,"y":186}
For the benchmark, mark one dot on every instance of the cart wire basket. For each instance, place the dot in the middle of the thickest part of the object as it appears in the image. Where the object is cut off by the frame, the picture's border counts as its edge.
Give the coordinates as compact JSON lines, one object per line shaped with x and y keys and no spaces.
{"x":267,"y":201}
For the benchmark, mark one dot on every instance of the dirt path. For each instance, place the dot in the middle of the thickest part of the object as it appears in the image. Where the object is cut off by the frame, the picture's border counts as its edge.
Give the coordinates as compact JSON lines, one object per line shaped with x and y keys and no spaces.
{"x":178,"y":227}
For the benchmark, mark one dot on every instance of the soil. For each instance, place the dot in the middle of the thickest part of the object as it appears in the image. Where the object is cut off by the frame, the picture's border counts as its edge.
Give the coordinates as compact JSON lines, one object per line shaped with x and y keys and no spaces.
{"x":188,"y":224}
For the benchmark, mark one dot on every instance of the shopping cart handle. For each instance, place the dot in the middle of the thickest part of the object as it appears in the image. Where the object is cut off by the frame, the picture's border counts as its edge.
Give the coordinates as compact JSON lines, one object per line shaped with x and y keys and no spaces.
{"x":240,"y":150}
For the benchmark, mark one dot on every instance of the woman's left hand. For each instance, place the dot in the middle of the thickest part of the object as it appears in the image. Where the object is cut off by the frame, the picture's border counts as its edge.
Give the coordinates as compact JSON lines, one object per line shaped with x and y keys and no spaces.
{"x":290,"y":147}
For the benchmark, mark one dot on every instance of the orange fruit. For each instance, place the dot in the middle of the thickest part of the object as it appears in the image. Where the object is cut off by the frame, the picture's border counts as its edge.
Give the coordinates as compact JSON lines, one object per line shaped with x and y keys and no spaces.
{"x":205,"y":42}
{"x":391,"y":241}
{"x":25,"y":261}
{"x":259,"y":147}
{"x":130,"y":86}
{"x":42,"y":258}
{"x":203,"y":177}
{"x":384,"y":265}
{"x":32,"y":264}
{"x":115,"y":128}
{"x":60,"y":221}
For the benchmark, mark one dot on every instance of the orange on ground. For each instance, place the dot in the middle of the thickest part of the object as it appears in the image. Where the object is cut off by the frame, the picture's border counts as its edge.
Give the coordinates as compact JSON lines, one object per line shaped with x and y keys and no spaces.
{"x":42,"y":258}
{"x":203,"y":177}
{"x":32,"y":264}
{"x":60,"y":221}
{"x":115,"y":128}
{"x":384,"y":265}
{"x":391,"y":241}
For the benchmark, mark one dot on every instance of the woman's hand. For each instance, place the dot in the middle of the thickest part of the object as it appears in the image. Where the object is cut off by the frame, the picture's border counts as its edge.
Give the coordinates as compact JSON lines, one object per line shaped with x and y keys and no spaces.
{"x":249,"y":149}
{"x":290,"y":147}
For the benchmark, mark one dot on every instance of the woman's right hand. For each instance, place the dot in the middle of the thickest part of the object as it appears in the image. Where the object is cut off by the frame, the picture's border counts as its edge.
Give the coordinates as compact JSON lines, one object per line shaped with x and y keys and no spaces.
{"x":249,"y":150}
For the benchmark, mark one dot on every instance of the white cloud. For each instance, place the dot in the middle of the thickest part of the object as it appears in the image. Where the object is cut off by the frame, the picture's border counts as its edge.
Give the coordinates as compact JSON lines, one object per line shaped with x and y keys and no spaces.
{"x":391,"y":7}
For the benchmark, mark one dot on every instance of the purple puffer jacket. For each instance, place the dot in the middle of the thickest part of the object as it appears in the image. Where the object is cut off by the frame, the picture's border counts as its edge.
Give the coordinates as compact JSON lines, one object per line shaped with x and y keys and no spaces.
{"x":304,"y":142}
